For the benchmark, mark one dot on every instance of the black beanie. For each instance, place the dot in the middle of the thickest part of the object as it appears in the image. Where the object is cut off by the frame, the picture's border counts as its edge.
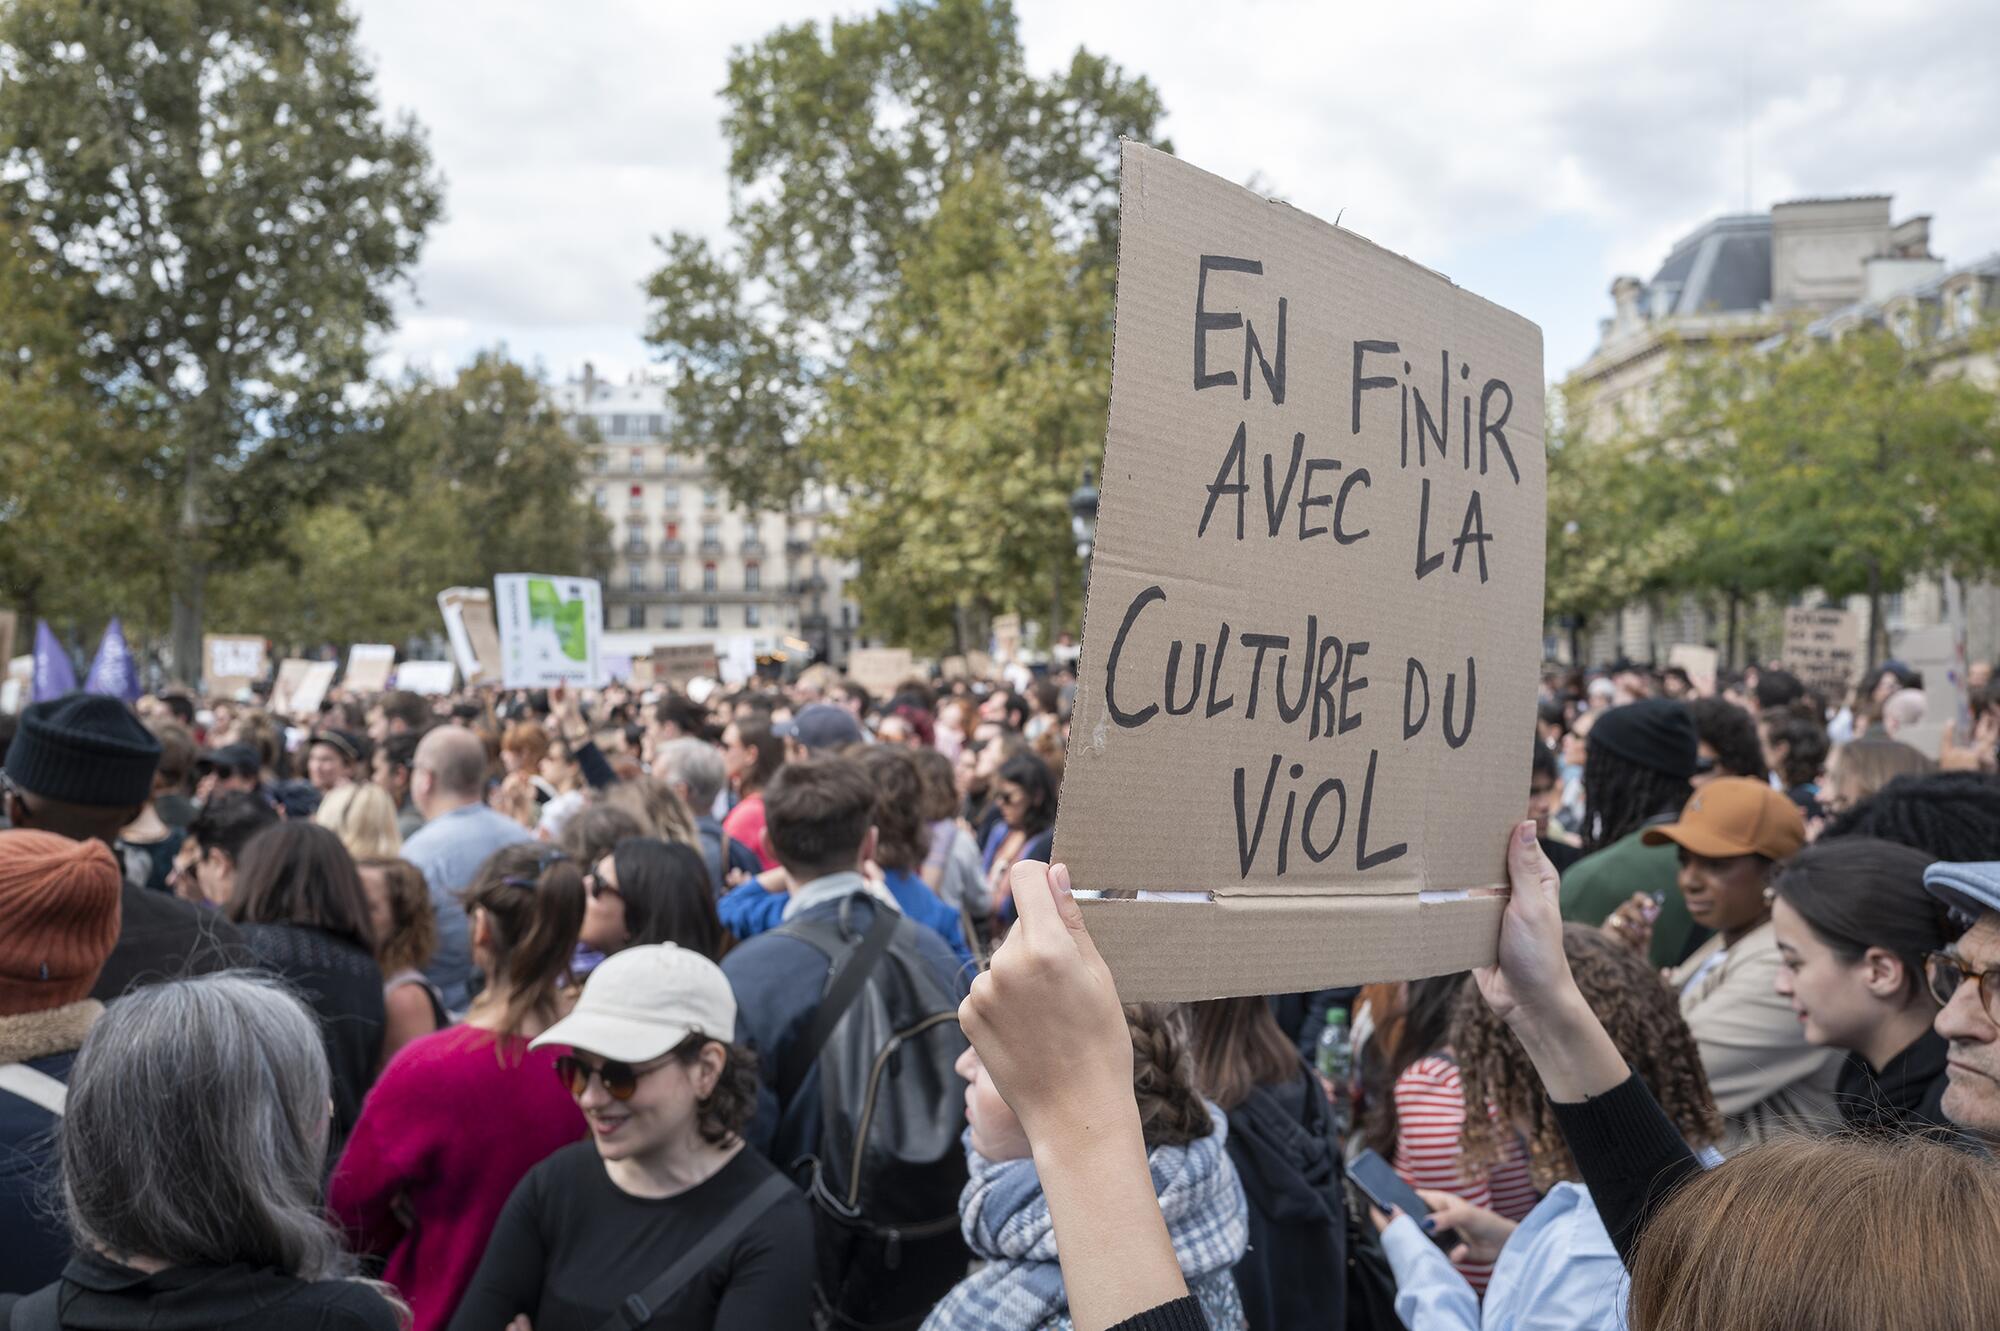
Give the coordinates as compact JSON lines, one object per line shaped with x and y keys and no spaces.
{"x":84,"y":749}
{"x":1656,"y":733}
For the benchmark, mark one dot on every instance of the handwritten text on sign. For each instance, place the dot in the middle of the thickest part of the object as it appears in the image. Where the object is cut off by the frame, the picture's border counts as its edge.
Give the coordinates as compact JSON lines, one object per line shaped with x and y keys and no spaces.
{"x":1315,"y":598}
{"x":1318,"y":490}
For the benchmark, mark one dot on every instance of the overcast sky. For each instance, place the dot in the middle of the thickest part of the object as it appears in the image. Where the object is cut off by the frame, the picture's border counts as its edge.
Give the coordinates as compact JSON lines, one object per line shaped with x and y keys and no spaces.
{"x":1529,"y":151}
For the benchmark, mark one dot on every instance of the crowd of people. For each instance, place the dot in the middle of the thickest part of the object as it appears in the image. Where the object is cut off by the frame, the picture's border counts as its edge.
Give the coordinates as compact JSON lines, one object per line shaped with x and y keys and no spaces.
{"x":548,"y":1011}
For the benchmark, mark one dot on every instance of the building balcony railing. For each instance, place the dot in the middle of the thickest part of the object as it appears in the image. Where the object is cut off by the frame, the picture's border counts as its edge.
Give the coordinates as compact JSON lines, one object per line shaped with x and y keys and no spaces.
{"x":753,"y":548}
{"x":798,"y":549}
{"x":711,"y":549}
{"x":673,"y":547}
{"x":637,"y":545}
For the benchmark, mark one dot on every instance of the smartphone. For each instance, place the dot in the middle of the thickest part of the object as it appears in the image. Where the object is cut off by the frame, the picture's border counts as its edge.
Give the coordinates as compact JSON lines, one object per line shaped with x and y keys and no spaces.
{"x":1382,"y":1185}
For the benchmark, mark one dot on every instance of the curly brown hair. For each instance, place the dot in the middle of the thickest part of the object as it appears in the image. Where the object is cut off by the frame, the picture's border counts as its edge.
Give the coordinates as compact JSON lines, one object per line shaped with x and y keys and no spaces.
{"x":1643,"y":1019}
{"x":1171,"y":1110}
{"x":721,"y":1117}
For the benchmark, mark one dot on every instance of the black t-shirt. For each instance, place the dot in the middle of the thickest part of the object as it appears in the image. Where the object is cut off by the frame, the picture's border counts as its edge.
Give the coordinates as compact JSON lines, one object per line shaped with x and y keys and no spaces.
{"x":570,"y":1247}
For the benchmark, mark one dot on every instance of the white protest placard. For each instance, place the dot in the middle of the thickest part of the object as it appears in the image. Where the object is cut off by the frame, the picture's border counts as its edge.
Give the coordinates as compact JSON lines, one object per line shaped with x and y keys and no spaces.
{"x":291,"y":673}
{"x":429,"y":678}
{"x":678,"y":663}
{"x":1700,"y":663}
{"x":1823,"y":648}
{"x":1006,"y":637}
{"x":550,"y":629}
{"x":369,"y":665}
{"x":475,"y":637}
{"x":313,"y":688}
{"x":14,"y":690}
{"x":231,"y":662}
{"x":1314,"y":616}
{"x":737,"y":660}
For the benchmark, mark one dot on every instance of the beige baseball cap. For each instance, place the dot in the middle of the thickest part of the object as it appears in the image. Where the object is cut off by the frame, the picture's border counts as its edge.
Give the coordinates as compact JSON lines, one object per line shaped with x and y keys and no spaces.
{"x":640,"y":1003}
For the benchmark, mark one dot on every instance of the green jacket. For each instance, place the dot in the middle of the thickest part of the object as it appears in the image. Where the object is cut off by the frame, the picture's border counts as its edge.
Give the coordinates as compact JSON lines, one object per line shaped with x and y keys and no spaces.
{"x":1604,"y":880}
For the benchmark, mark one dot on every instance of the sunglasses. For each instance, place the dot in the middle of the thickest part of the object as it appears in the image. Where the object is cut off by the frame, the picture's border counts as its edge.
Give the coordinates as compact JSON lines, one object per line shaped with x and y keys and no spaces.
{"x":596,"y":886}
{"x":621,"y":1080}
{"x":1703,"y":766}
{"x":1945,"y":974}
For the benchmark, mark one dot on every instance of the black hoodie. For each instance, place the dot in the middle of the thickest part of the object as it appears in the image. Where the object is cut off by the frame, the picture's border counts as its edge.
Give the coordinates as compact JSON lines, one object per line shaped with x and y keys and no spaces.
{"x":99,"y":1295}
{"x":1286,"y":1150}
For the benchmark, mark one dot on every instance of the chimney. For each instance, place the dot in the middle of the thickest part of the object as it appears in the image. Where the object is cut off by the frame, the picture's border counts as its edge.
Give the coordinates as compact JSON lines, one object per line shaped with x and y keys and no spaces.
{"x":589,"y":382}
{"x":1625,"y":293}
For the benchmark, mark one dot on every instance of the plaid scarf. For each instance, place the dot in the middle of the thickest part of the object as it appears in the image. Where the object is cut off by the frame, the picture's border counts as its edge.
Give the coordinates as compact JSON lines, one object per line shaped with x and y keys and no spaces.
{"x":1006,"y":1222}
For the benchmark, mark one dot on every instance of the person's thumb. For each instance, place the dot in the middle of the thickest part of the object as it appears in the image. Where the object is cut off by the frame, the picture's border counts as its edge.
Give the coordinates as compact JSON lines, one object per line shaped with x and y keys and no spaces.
{"x":1528,"y":869}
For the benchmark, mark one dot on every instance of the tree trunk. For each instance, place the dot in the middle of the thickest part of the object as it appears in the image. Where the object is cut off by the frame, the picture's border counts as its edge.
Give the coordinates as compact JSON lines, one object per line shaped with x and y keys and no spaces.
{"x":1735,"y":609}
{"x":192,"y":582}
{"x":1875,"y":633}
{"x":1576,"y":641}
{"x":1056,"y":602}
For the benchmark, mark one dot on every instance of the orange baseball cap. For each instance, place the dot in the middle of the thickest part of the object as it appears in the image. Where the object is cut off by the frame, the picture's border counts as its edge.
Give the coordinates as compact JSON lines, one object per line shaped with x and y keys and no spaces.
{"x":1735,"y":815}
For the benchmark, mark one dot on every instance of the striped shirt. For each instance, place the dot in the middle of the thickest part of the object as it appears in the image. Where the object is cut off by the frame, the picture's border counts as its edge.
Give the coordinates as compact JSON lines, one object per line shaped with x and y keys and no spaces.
{"x":1430,"y":1116}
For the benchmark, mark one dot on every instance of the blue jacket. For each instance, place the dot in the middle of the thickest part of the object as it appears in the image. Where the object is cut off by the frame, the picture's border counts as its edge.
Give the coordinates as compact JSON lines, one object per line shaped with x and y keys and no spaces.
{"x":749,"y":910}
{"x":33,"y":1244}
{"x":778,"y":981}
{"x":1559,"y":1271}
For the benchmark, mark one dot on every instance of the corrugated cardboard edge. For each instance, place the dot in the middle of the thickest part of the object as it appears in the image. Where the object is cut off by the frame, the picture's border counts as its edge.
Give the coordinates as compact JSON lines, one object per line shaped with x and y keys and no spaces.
{"x":1361,"y":944}
{"x":1366,"y":941}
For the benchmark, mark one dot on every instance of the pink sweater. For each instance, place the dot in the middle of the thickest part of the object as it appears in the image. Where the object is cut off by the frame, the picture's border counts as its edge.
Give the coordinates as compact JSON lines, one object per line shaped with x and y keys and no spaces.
{"x":447,"y":1132}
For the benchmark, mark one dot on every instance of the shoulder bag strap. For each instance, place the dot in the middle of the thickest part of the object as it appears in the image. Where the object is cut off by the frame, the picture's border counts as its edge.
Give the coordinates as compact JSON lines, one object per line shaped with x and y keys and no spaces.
{"x":839,"y":997}
{"x":637,"y":1310}
{"x":34,"y":1086}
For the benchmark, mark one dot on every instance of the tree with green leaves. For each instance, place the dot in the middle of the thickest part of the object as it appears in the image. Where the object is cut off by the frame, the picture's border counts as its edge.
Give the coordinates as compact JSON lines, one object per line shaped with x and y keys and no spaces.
{"x":457,"y":481}
{"x":212,"y":185}
{"x":889,"y":175}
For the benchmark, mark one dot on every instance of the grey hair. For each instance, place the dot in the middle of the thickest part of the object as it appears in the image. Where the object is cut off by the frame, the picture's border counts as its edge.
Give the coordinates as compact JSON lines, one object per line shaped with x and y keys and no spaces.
{"x":196,"y":1129}
{"x":697,"y":765}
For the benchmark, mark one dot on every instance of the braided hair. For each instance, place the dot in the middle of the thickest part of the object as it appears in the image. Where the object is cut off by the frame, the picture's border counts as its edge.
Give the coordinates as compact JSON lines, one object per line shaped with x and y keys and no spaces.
{"x":1171,"y":1110}
{"x":1643,"y":1018}
{"x":1620,"y":796}
{"x":1951,"y":816}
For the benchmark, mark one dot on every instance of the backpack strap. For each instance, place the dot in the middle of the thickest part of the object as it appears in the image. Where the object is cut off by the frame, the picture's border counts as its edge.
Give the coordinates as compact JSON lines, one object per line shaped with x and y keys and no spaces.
{"x":638,"y":1309}
{"x":840,"y":994}
{"x":35,"y":1086}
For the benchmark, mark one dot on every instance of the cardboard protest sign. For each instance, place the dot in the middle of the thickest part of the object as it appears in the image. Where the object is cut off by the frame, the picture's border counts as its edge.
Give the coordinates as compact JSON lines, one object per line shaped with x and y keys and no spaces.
{"x":475,"y":637}
{"x":1315,"y":607}
{"x":550,"y":628}
{"x":1933,"y":652}
{"x":369,"y":665}
{"x":1699,"y":662}
{"x":1007,"y":636}
{"x":231,"y":662}
{"x":1823,"y":648}
{"x":677,"y":664}
{"x":426,"y":677}
{"x":15,"y":688}
{"x":8,"y":620}
{"x":880,"y":670}
{"x":312,"y":689}
{"x":292,"y":672}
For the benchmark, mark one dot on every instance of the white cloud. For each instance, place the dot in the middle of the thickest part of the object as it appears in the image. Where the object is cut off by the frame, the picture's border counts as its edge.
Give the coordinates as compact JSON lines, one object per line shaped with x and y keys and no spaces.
{"x":1532,"y":151}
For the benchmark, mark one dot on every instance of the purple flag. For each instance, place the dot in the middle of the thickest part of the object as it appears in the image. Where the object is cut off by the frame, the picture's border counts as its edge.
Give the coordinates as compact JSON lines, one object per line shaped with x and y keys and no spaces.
{"x":55,"y":674}
{"x":113,"y":672}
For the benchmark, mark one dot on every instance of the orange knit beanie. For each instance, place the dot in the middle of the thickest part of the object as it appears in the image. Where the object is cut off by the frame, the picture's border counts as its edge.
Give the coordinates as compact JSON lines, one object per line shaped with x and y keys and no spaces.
{"x":58,"y":918}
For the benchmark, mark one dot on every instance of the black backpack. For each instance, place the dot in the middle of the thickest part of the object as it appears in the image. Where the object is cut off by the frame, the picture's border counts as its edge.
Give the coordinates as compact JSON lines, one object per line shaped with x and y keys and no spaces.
{"x":886,"y":1179}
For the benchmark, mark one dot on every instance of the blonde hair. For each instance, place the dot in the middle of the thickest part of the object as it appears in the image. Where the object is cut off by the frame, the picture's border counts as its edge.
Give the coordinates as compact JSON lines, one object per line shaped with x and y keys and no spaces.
{"x":662,"y":813}
{"x":363,"y":816}
{"x":1861,"y":767}
{"x":1901,"y":1239}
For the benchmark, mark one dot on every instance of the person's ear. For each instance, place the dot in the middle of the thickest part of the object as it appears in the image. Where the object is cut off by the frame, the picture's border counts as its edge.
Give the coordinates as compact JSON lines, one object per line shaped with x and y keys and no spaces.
{"x":1884,"y":973}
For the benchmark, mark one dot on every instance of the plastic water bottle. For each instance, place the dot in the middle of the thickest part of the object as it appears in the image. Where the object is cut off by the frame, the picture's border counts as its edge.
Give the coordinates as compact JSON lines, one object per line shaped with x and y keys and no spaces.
{"x":1336,"y":1063}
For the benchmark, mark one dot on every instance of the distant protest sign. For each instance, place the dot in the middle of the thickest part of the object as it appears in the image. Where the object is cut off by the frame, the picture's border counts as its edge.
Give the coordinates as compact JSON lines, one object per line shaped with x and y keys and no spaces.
{"x":474,"y":635}
{"x":7,"y":622}
{"x":1315,"y":609}
{"x":292,"y":672}
{"x":550,"y":629}
{"x":881,"y":670}
{"x":1699,"y":662}
{"x":429,"y":678}
{"x":1007,"y":637}
{"x":313,"y":688}
{"x":677,"y":664}
{"x":369,"y":665}
{"x":1823,"y":648}
{"x":231,"y":662}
